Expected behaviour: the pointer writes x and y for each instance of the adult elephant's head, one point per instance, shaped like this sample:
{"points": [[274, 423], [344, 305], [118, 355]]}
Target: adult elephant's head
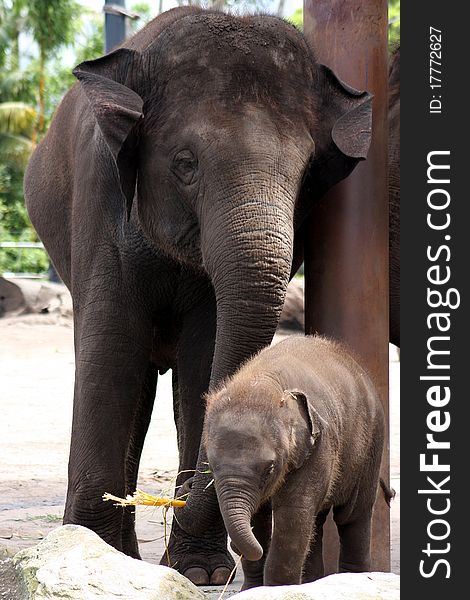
{"points": [[224, 130]]}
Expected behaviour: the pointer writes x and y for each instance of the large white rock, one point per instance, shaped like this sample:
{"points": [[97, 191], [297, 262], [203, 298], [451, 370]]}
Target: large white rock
{"points": [[73, 563], [344, 586]]}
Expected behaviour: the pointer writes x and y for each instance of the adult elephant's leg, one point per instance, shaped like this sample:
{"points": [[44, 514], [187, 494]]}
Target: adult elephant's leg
{"points": [[138, 432], [112, 348], [205, 559]]}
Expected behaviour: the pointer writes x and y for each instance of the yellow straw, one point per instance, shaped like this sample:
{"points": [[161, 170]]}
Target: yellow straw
{"points": [[143, 499], [230, 577]]}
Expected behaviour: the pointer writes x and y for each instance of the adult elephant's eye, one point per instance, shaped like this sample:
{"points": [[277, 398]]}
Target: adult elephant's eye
{"points": [[184, 166]]}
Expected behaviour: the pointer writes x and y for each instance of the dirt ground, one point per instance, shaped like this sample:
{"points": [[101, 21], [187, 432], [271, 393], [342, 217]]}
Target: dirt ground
{"points": [[36, 389]]}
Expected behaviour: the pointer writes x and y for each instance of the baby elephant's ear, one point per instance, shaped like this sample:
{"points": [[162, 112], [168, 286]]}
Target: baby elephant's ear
{"points": [[116, 107], [315, 421]]}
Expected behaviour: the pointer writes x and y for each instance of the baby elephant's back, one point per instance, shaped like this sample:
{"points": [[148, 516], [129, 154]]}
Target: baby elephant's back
{"points": [[334, 382]]}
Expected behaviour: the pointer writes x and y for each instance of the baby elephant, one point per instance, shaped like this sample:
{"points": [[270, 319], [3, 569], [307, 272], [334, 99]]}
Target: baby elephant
{"points": [[296, 431]]}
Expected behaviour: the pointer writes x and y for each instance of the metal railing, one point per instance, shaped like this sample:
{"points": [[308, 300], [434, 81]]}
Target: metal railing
{"points": [[23, 246]]}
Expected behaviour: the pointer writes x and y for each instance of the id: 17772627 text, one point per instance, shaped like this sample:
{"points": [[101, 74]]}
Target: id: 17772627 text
{"points": [[435, 70]]}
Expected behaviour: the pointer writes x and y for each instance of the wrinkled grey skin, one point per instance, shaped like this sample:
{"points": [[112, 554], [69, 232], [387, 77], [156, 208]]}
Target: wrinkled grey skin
{"points": [[170, 192], [297, 430]]}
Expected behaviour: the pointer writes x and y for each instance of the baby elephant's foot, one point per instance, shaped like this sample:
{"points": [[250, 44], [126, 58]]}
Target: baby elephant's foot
{"points": [[249, 583], [253, 573]]}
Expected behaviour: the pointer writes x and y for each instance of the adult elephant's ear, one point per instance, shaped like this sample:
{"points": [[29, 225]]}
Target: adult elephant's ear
{"points": [[346, 122], [117, 109]]}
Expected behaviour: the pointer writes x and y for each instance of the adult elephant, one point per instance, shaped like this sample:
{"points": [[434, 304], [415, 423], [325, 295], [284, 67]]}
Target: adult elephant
{"points": [[167, 193]]}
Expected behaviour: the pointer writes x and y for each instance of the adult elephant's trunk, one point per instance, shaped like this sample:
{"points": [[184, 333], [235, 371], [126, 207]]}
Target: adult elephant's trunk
{"points": [[247, 251], [249, 261]]}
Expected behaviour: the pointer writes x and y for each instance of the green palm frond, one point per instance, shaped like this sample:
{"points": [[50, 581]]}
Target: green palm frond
{"points": [[15, 149], [16, 86], [16, 118], [4, 37]]}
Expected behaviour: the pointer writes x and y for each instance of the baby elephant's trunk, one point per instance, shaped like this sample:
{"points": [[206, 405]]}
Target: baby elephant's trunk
{"points": [[237, 505]]}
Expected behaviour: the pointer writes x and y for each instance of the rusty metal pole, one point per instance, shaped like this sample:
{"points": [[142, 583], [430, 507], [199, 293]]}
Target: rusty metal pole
{"points": [[346, 255]]}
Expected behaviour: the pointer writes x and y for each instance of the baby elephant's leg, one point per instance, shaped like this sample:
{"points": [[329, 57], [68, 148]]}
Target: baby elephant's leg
{"points": [[289, 546], [294, 513], [253, 570], [354, 534], [313, 568]]}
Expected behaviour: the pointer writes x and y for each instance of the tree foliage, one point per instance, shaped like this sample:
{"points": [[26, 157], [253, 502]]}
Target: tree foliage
{"points": [[52, 25], [394, 23], [17, 120], [23, 98], [297, 18]]}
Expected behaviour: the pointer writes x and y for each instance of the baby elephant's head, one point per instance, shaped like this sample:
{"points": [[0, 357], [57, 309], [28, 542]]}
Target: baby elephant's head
{"points": [[255, 435]]}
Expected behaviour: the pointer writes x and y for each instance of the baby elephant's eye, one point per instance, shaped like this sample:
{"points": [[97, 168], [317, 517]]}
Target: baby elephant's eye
{"points": [[268, 470], [184, 166]]}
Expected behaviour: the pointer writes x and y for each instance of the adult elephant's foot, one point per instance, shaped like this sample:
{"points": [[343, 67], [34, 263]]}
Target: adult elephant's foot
{"points": [[115, 527], [204, 560]]}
